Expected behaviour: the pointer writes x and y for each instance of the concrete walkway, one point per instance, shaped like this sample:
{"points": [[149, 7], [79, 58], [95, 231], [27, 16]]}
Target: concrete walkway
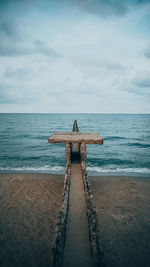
{"points": [[77, 246]]}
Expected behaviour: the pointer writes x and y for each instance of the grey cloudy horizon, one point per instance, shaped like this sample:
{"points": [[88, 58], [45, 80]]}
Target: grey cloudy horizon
{"points": [[87, 56]]}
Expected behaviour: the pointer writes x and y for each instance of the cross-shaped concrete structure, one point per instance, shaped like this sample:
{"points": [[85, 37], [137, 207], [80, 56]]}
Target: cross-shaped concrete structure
{"points": [[73, 245], [75, 138]]}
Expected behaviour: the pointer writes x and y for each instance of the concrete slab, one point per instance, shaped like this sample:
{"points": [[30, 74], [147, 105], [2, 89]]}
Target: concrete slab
{"points": [[75, 137]]}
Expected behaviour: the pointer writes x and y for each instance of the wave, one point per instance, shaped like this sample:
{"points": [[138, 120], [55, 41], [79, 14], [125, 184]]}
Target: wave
{"points": [[118, 170], [61, 170], [138, 145], [32, 158], [114, 138], [34, 169], [111, 138], [42, 137], [108, 161], [24, 157]]}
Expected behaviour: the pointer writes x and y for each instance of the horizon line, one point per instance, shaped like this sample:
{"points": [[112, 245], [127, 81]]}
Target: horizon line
{"points": [[103, 113]]}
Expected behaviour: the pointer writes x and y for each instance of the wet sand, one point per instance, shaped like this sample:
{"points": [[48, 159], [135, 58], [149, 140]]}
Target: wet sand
{"points": [[29, 204]]}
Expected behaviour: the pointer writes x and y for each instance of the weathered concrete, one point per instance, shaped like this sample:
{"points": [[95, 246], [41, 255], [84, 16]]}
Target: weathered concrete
{"points": [[82, 241], [75, 137], [68, 152], [75, 126], [77, 246], [60, 231], [75, 148], [96, 253]]}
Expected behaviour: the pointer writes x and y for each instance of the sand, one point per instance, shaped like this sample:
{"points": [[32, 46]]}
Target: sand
{"points": [[123, 208], [29, 207], [29, 204]]}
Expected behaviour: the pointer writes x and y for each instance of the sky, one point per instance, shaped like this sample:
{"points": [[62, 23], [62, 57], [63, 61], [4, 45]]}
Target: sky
{"points": [[75, 56]]}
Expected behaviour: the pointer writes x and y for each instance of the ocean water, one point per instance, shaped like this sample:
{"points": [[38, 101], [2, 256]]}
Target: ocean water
{"points": [[24, 143]]}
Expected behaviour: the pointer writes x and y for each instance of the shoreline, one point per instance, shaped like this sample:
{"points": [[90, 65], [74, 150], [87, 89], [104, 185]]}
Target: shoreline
{"points": [[59, 177], [90, 173]]}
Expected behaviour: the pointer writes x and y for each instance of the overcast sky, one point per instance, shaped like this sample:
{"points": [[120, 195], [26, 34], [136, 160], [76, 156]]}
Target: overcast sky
{"points": [[90, 56]]}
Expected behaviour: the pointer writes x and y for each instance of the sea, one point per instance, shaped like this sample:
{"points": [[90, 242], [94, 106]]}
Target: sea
{"points": [[24, 146]]}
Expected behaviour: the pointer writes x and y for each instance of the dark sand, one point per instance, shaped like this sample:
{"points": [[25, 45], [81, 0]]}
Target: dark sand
{"points": [[28, 211], [29, 204], [123, 208]]}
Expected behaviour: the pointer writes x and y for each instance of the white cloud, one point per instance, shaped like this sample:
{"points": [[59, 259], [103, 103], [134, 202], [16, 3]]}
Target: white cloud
{"points": [[59, 63]]}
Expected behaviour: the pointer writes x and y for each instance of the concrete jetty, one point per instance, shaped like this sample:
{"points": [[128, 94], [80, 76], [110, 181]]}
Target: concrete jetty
{"points": [[75, 137], [76, 241], [77, 245]]}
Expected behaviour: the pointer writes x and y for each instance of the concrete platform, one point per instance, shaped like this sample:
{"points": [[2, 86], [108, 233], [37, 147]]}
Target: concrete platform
{"points": [[75, 137]]}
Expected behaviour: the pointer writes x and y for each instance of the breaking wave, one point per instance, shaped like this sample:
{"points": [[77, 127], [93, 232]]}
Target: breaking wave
{"points": [[119, 170], [42, 169]]}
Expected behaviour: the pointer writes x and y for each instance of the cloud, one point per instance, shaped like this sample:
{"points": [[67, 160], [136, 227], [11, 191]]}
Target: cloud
{"points": [[138, 91], [12, 51], [143, 1], [7, 94], [103, 7], [142, 79], [9, 29], [99, 63], [17, 73], [51, 60], [99, 7], [42, 48], [15, 94], [147, 52], [13, 44], [139, 84], [15, 49]]}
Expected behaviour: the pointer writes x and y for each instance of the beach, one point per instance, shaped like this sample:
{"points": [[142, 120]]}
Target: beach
{"points": [[29, 208], [123, 205]]}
